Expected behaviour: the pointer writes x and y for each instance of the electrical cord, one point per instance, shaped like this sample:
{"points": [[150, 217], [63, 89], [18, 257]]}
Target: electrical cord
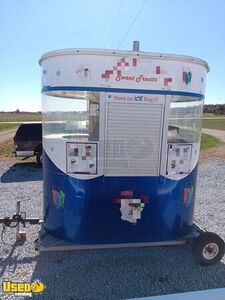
{"points": [[113, 23], [132, 23], [11, 223]]}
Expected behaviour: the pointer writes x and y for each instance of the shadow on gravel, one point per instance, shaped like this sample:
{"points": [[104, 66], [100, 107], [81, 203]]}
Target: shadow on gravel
{"points": [[123, 273], [12, 259], [21, 172]]}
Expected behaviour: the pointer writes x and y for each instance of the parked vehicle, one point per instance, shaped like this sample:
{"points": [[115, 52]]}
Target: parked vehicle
{"points": [[28, 141]]}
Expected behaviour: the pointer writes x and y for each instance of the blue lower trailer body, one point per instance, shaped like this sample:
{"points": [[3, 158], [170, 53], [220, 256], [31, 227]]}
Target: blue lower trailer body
{"points": [[89, 211]]}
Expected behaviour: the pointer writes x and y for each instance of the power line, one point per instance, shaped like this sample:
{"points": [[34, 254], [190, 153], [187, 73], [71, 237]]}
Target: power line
{"points": [[113, 23], [132, 23]]}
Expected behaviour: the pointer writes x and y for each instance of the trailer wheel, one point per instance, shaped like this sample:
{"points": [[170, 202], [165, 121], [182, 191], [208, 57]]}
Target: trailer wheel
{"points": [[39, 159], [208, 248]]}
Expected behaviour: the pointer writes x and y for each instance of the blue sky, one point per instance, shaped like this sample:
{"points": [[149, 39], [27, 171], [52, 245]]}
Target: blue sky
{"points": [[28, 28]]}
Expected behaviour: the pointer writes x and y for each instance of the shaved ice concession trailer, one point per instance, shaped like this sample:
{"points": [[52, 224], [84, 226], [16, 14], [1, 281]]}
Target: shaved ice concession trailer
{"points": [[121, 142], [121, 139]]}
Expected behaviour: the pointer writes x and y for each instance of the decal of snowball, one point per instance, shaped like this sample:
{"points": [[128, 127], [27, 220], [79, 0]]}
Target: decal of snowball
{"points": [[131, 210]]}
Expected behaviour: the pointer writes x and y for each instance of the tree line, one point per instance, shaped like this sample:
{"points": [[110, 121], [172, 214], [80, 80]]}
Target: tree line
{"points": [[217, 109]]}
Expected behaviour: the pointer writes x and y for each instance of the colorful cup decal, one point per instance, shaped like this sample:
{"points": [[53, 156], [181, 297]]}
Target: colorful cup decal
{"points": [[188, 194], [58, 198], [186, 76], [131, 206]]}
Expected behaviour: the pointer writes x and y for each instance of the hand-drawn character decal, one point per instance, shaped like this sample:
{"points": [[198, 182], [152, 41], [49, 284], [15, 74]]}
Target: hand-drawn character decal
{"points": [[131, 205], [84, 72], [131, 210]]}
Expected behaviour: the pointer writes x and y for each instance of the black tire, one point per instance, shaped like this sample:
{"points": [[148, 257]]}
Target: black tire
{"points": [[208, 248], [39, 159]]}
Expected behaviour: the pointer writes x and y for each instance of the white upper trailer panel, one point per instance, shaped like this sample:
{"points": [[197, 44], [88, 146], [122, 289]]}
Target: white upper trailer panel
{"points": [[88, 69]]}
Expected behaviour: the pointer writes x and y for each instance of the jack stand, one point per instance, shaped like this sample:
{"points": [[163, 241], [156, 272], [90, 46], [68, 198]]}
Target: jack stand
{"points": [[18, 221], [20, 232], [21, 235]]}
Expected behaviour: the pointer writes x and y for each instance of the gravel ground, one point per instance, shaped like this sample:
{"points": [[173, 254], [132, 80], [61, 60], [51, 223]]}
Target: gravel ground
{"points": [[109, 274]]}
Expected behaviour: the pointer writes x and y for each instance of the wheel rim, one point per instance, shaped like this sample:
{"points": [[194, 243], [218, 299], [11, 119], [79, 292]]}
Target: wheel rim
{"points": [[210, 251]]}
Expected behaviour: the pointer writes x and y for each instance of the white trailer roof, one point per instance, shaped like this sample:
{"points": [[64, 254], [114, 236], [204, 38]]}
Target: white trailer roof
{"points": [[106, 52]]}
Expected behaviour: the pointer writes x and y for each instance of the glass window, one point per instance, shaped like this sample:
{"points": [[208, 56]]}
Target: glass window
{"points": [[185, 120], [72, 114]]}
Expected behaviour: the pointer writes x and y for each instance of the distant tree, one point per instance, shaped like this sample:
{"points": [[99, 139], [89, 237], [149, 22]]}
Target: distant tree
{"points": [[17, 111], [218, 109]]}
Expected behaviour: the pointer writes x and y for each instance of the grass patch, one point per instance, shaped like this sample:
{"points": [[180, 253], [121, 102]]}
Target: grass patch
{"points": [[20, 117], [7, 126], [6, 148], [208, 141], [213, 116], [205, 115], [214, 123], [6, 153]]}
